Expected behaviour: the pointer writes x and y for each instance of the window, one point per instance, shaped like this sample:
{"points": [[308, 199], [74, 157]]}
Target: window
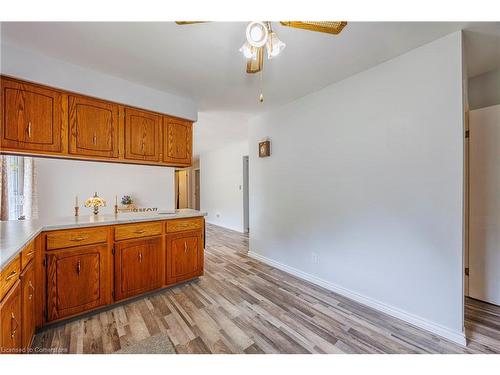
{"points": [[19, 185]]}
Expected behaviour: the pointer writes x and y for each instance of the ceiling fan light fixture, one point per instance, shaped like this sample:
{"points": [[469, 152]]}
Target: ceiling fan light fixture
{"points": [[257, 33], [274, 45]]}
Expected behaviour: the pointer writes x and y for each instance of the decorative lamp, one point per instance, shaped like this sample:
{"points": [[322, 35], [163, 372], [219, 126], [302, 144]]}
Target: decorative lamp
{"points": [[95, 202]]}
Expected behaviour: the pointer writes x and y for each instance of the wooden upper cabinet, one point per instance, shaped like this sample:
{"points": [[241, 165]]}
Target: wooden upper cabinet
{"points": [[139, 266], [142, 135], [93, 127], [77, 280], [31, 117], [177, 141]]}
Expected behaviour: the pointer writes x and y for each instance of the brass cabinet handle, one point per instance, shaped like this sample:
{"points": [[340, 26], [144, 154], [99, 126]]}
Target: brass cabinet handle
{"points": [[30, 253], [78, 267], [11, 276], [140, 257], [185, 247], [32, 288], [13, 330], [94, 140], [139, 231], [29, 129], [78, 239]]}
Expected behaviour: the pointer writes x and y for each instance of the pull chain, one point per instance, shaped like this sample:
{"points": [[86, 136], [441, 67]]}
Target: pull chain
{"points": [[261, 96]]}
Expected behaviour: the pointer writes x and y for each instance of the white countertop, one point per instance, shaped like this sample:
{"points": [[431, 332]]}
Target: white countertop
{"points": [[16, 234]]}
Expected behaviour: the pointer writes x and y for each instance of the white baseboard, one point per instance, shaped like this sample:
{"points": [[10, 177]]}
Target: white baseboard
{"points": [[456, 337]]}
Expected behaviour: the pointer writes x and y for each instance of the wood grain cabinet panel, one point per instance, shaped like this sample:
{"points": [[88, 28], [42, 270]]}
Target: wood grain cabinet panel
{"points": [[28, 312], [76, 237], [93, 127], [139, 266], [10, 321], [184, 256], [77, 280], [129, 231], [142, 135], [31, 117], [9, 275], [177, 141]]}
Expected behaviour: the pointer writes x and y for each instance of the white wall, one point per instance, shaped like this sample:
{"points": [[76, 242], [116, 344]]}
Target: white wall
{"points": [[363, 190], [60, 180], [484, 89], [221, 185], [30, 65]]}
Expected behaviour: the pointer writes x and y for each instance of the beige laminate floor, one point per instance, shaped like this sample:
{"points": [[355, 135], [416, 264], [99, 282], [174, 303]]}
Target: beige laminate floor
{"points": [[244, 306]]}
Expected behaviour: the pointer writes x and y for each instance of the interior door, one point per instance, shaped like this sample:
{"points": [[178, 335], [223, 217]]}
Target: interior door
{"points": [[31, 117], [76, 280], [142, 135], [484, 198], [93, 126], [184, 256], [177, 141], [139, 266]]}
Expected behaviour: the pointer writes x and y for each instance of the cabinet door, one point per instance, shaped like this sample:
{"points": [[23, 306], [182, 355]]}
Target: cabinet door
{"points": [[142, 135], [177, 141], [77, 280], [31, 117], [184, 256], [93, 127], [28, 304], [10, 321], [139, 266]]}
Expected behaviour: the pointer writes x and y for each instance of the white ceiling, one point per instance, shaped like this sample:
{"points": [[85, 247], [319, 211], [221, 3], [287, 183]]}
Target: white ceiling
{"points": [[202, 61]]}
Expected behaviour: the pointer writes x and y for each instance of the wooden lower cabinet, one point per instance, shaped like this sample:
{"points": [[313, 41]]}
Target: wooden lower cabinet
{"points": [[139, 266], [28, 313], [10, 321], [184, 256], [78, 279]]}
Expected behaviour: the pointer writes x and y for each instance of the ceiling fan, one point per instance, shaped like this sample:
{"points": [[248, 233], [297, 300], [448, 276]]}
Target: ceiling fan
{"points": [[260, 38]]}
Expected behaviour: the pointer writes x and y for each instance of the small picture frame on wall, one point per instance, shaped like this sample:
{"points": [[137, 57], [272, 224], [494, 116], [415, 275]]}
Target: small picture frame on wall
{"points": [[264, 149]]}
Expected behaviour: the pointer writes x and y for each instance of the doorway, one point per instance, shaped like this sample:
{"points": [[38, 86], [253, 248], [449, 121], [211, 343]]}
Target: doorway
{"points": [[197, 189], [246, 197], [181, 189], [483, 256]]}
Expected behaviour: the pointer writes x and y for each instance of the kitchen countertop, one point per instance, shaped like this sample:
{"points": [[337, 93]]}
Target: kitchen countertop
{"points": [[16, 234]]}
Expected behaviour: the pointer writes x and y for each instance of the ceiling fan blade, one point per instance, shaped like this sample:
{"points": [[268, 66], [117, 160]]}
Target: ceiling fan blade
{"points": [[330, 27], [189, 22], [256, 65]]}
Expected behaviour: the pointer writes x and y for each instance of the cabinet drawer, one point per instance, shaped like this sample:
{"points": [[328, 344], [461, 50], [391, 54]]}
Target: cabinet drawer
{"points": [[124, 232], [27, 254], [184, 224], [9, 276], [76, 237]]}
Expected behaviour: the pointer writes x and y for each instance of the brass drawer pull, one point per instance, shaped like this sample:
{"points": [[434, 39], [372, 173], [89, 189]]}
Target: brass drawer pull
{"points": [[13, 330], [78, 267], [185, 247], [140, 257], [32, 288], [140, 231], [78, 239], [30, 253], [11, 276]]}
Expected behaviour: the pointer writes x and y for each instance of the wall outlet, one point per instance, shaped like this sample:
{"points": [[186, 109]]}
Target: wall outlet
{"points": [[314, 258]]}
